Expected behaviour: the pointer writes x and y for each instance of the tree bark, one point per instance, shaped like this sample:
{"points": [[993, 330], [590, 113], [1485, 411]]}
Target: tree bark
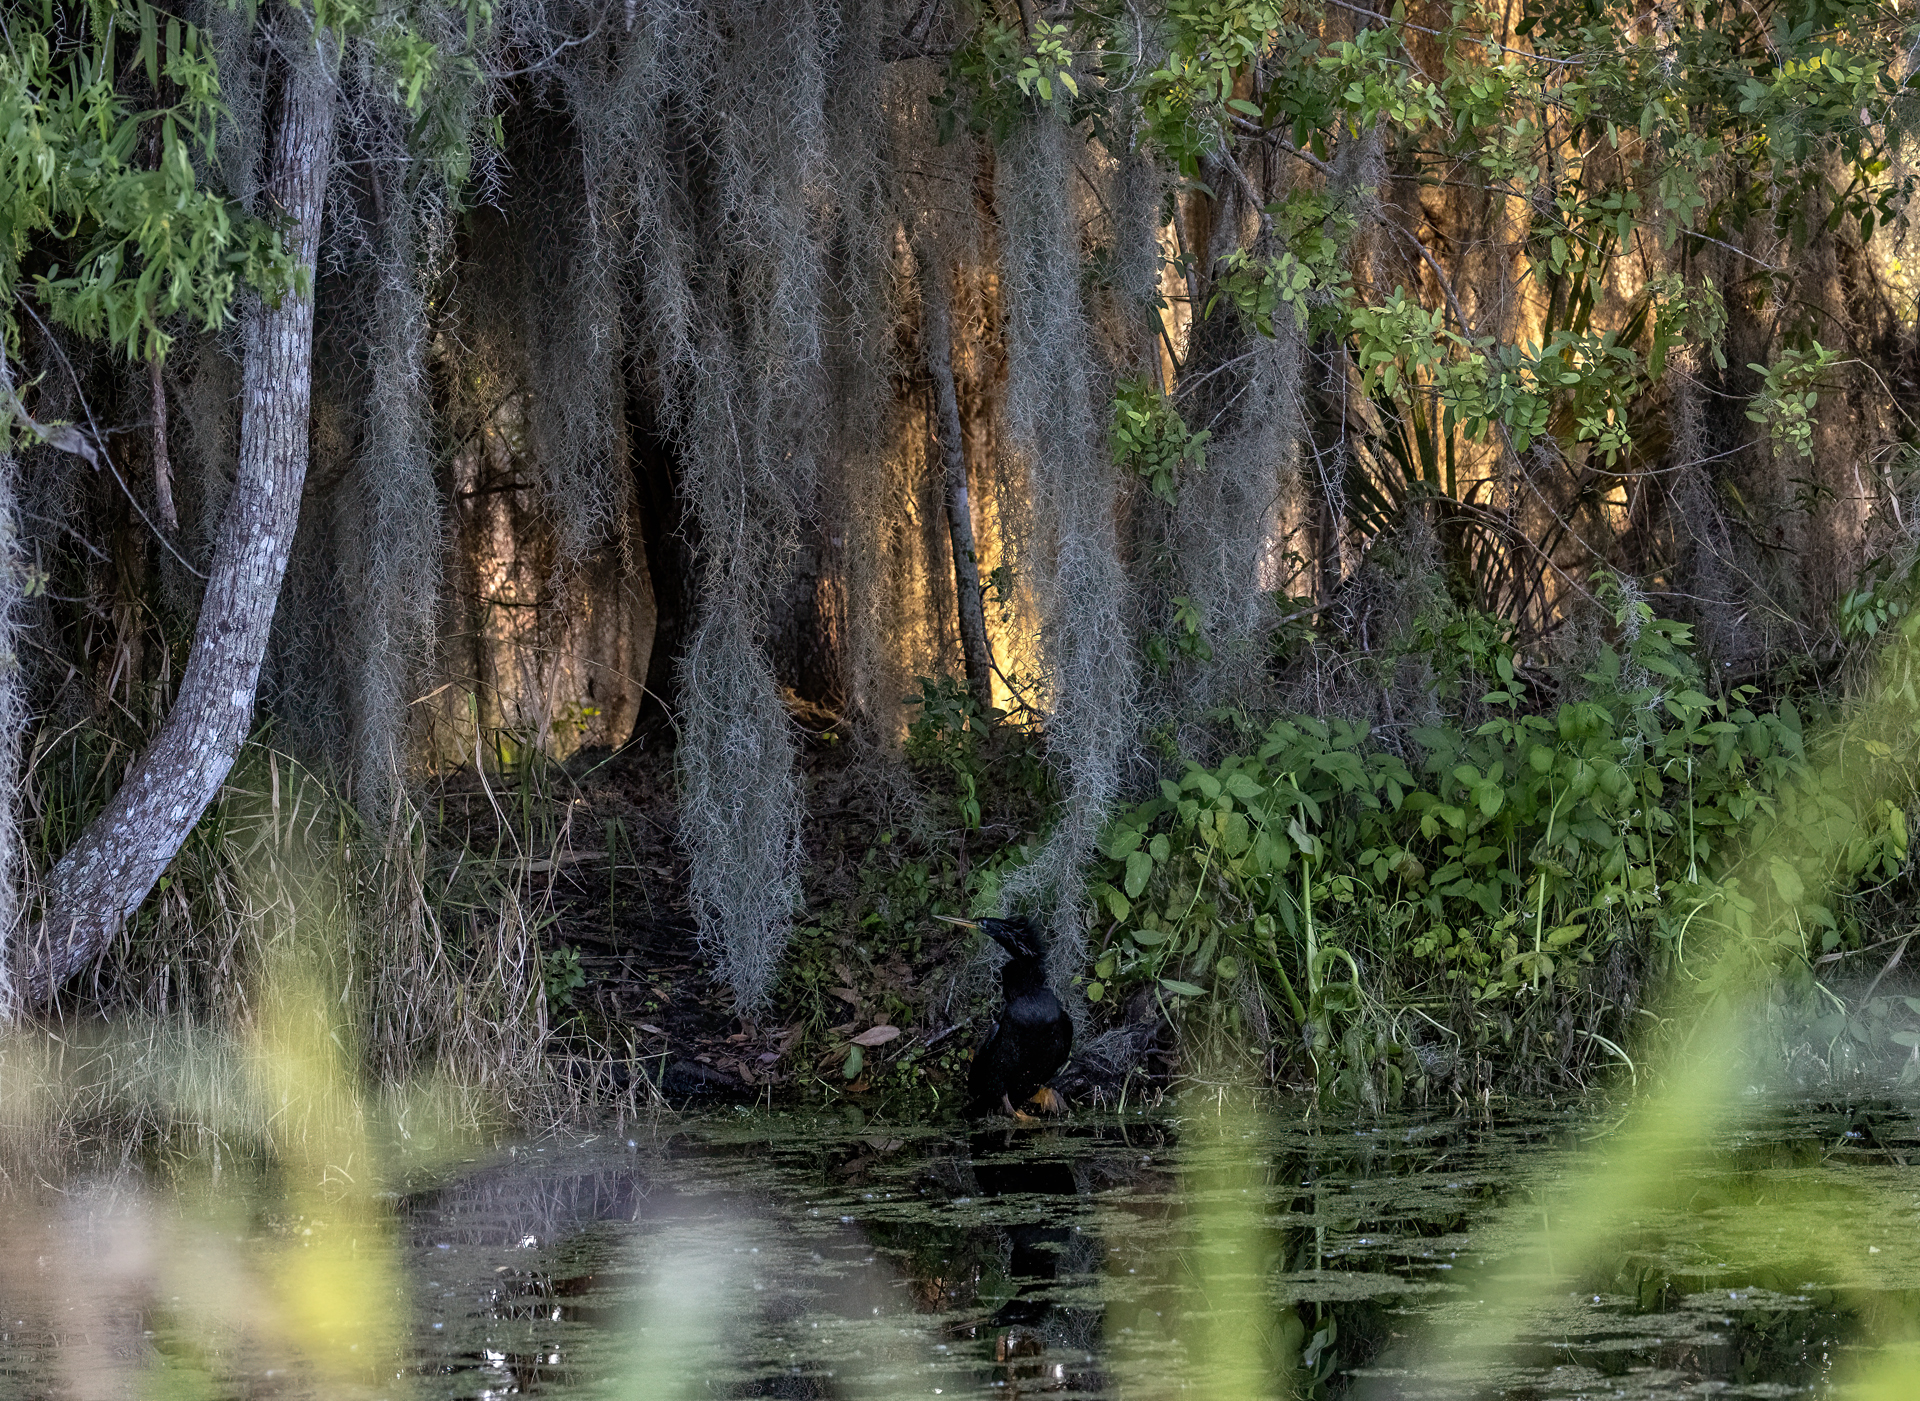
{"points": [[13, 577], [937, 330], [115, 862], [162, 466]]}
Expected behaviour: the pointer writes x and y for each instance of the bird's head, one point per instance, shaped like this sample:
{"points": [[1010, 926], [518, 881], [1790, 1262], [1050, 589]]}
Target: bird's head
{"points": [[1016, 934]]}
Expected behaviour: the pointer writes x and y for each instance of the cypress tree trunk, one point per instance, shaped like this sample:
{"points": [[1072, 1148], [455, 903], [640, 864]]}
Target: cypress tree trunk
{"points": [[937, 329], [113, 865]]}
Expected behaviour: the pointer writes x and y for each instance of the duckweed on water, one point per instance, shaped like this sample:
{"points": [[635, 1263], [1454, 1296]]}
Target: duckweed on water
{"points": [[1225, 1250]]}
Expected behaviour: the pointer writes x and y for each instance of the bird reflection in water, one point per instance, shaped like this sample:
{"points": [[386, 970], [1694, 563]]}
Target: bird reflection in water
{"points": [[1039, 1343], [1037, 1244]]}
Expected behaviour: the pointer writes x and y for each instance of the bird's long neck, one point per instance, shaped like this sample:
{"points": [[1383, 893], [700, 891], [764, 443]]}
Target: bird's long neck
{"points": [[1020, 976]]}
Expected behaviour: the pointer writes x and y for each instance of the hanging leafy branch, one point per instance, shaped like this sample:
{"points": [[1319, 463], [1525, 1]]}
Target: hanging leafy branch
{"points": [[103, 212], [114, 244]]}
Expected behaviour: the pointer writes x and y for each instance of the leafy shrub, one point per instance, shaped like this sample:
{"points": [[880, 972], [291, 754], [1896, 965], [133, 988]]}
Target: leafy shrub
{"points": [[971, 749], [1151, 438], [1488, 866]]}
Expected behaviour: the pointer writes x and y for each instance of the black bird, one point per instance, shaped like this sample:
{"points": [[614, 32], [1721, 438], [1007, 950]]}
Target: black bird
{"points": [[1033, 1036]]}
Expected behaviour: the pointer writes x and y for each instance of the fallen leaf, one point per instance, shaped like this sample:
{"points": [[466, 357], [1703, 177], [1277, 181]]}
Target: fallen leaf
{"points": [[844, 994], [651, 1029], [769, 1057], [876, 1036]]}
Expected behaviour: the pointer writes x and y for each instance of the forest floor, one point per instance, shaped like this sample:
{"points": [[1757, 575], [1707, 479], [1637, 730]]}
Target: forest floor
{"points": [[629, 991]]}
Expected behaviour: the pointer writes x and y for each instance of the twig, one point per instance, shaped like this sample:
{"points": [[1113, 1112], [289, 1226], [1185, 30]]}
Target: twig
{"points": [[98, 437], [1891, 964], [935, 1040]]}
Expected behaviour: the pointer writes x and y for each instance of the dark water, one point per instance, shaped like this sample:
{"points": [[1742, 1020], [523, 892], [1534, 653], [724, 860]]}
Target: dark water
{"points": [[1195, 1255], [1204, 1253]]}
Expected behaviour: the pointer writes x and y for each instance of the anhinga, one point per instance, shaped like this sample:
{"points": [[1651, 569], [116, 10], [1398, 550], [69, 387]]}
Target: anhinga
{"points": [[1034, 1034]]}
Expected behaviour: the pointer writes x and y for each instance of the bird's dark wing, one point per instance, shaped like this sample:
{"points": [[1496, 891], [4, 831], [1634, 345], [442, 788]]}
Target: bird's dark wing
{"points": [[996, 1064], [1043, 1050], [1058, 1047]]}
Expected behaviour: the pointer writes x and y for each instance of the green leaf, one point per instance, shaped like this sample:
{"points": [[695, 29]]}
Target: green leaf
{"points": [[1180, 989], [856, 1061], [1139, 869], [149, 43], [1235, 836], [1786, 880], [1242, 786]]}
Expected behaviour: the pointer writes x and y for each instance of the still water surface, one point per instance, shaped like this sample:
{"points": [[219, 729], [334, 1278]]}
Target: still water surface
{"points": [[1179, 1254], [796, 1257]]}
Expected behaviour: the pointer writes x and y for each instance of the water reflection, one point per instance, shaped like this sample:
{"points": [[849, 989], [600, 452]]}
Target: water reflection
{"points": [[1038, 1341], [1206, 1256], [1209, 1255]]}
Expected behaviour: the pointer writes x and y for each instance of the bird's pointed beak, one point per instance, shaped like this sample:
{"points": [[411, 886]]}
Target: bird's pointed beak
{"points": [[963, 923]]}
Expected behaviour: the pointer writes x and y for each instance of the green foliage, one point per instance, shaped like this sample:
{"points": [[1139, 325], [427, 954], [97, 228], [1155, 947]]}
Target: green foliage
{"points": [[1790, 389], [113, 246], [1187, 103], [1000, 69], [561, 976], [1492, 866], [946, 735], [972, 747], [1307, 272], [1881, 597], [103, 107], [1186, 637], [1151, 438]]}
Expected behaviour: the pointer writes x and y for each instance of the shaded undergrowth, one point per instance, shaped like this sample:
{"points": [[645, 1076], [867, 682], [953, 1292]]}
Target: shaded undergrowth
{"points": [[1490, 895]]}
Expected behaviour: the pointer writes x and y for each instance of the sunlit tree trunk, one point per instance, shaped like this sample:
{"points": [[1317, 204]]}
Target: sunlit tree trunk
{"points": [[115, 863], [937, 329]]}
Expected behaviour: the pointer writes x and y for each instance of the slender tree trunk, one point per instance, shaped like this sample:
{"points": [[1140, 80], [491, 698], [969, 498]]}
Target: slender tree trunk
{"points": [[12, 719], [105, 875], [162, 466], [937, 329]]}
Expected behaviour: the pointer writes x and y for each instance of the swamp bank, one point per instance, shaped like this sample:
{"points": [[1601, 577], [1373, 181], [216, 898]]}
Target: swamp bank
{"points": [[588, 528]]}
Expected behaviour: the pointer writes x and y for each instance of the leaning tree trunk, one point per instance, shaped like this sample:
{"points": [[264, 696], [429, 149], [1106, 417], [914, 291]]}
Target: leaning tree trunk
{"points": [[937, 330], [105, 875]]}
